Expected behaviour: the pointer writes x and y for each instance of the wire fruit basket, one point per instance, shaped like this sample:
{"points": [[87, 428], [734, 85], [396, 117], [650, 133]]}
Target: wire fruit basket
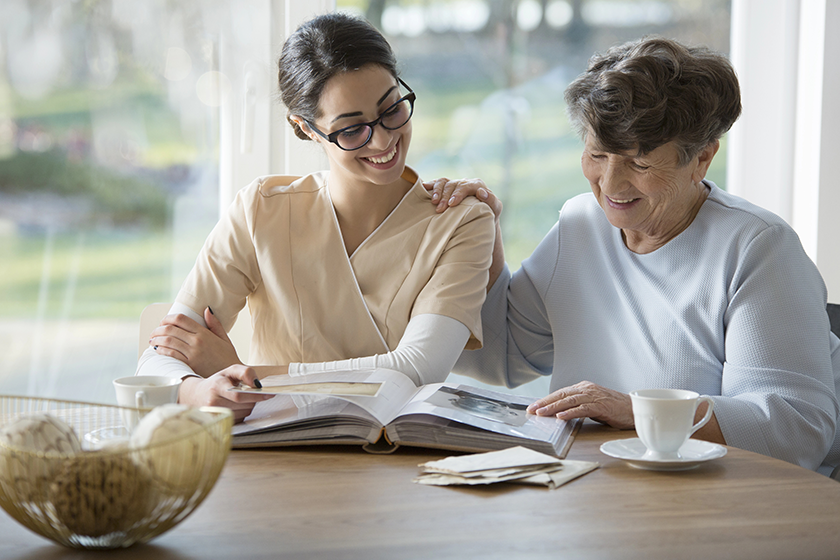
{"points": [[70, 472]]}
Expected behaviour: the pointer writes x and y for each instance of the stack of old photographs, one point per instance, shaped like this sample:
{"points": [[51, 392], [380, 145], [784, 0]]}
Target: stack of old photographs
{"points": [[515, 464]]}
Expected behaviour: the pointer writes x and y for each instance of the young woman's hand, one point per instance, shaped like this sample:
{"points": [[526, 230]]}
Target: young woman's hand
{"points": [[205, 349], [447, 193], [213, 391]]}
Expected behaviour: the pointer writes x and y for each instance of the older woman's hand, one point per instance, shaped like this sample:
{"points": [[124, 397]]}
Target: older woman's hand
{"points": [[587, 400], [447, 193], [205, 349]]}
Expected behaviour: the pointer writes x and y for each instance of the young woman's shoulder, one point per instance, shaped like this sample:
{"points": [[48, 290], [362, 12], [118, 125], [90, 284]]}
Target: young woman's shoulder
{"points": [[470, 208], [274, 185], [270, 194]]}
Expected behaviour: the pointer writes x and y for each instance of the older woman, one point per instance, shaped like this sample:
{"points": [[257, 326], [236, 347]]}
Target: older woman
{"points": [[660, 279]]}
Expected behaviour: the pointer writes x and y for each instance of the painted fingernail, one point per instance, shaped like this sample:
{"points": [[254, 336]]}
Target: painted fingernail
{"points": [[257, 384], [435, 197], [452, 201]]}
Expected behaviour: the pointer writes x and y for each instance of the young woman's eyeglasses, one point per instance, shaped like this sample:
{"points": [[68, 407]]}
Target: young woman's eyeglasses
{"points": [[357, 136]]}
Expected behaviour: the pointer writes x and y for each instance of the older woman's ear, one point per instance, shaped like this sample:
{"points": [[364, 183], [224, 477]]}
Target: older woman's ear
{"points": [[704, 160]]}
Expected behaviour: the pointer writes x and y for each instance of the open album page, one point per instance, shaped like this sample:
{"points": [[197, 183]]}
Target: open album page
{"points": [[464, 417], [329, 417]]}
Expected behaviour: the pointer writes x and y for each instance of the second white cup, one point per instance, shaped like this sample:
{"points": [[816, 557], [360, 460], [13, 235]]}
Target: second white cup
{"points": [[665, 420], [144, 391]]}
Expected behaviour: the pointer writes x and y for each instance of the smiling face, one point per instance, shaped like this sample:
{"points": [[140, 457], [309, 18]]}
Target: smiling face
{"points": [[650, 197], [358, 97]]}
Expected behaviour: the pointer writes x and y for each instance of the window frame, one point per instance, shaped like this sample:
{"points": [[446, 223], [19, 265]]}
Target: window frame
{"points": [[255, 139], [788, 66]]}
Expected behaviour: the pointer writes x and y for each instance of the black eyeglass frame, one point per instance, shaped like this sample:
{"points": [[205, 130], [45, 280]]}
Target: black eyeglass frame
{"points": [[333, 136]]}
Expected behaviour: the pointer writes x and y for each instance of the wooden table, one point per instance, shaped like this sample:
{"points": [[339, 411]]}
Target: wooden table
{"points": [[327, 502]]}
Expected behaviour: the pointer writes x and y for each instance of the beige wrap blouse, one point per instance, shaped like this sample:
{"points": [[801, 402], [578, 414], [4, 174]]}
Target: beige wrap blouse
{"points": [[279, 248]]}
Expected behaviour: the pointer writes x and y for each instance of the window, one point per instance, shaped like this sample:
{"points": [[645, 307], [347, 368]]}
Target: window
{"points": [[111, 161], [125, 125], [490, 77]]}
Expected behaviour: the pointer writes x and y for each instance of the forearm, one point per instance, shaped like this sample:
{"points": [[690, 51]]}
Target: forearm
{"points": [[789, 429], [518, 344], [151, 363], [488, 364], [186, 392], [519, 340], [426, 353]]}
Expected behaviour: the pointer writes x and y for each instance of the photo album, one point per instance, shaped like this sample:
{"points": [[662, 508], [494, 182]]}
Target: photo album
{"points": [[382, 409]]}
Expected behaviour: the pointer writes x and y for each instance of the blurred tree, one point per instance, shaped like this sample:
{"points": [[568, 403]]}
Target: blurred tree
{"points": [[374, 12], [578, 30]]}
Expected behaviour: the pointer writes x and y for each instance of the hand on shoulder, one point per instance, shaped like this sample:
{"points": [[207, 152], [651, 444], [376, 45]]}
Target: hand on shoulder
{"points": [[447, 193]]}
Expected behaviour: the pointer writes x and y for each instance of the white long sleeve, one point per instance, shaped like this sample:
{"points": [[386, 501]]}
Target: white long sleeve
{"points": [[426, 353], [152, 363]]}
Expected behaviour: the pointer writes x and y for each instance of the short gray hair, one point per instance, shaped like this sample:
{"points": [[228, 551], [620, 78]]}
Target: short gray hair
{"points": [[646, 93]]}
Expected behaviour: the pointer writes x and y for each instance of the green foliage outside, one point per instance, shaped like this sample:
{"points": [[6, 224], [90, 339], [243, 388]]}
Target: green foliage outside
{"points": [[116, 274], [113, 271], [83, 275], [124, 200], [544, 168]]}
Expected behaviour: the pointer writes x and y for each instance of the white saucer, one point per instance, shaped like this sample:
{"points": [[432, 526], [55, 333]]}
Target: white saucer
{"points": [[104, 437], [692, 453]]}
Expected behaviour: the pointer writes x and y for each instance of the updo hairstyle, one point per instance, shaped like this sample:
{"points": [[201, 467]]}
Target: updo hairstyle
{"points": [[321, 48], [643, 94]]}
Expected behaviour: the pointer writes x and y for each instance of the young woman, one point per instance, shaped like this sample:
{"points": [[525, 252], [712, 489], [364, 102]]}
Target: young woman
{"points": [[342, 269]]}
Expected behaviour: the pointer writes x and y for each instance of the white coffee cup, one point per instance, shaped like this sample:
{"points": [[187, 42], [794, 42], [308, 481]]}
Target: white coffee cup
{"points": [[665, 420], [144, 391]]}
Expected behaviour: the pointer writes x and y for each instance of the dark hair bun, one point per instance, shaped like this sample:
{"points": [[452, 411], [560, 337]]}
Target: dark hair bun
{"points": [[321, 48]]}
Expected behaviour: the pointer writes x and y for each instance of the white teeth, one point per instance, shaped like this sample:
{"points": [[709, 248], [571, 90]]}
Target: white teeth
{"points": [[617, 201], [388, 157]]}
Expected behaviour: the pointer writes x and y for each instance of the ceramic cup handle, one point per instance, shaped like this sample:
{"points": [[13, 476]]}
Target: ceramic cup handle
{"points": [[140, 399], [707, 416]]}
